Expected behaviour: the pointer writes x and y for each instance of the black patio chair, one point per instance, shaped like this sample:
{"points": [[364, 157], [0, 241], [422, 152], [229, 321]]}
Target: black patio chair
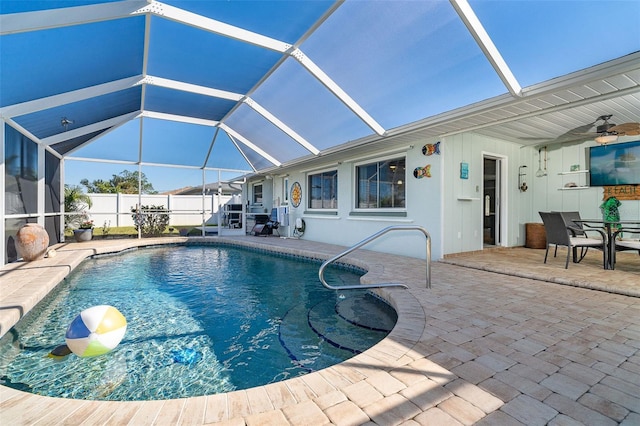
{"points": [[572, 221], [624, 243], [558, 234]]}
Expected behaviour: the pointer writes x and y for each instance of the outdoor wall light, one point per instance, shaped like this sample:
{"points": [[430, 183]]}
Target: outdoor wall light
{"points": [[522, 176]]}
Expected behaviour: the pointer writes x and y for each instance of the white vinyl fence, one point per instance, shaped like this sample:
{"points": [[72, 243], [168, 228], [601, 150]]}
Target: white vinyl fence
{"points": [[115, 209]]}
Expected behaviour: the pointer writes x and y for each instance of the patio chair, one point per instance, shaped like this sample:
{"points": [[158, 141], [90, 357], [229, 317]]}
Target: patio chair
{"points": [[580, 230], [624, 243], [559, 234]]}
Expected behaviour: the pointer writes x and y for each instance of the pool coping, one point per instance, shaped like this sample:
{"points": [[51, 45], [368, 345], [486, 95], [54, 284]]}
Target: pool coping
{"points": [[287, 400]]}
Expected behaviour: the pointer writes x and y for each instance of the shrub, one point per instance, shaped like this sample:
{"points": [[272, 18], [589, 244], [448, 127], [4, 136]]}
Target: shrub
{"points": [[150, 220]]}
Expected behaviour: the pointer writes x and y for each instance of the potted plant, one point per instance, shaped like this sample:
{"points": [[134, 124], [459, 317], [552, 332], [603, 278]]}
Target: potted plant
{"points": [[84, 231], [76, 204]]}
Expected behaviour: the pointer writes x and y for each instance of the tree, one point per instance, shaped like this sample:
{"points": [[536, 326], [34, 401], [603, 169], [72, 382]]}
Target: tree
{"points": [[75, 201], [125, 183]]}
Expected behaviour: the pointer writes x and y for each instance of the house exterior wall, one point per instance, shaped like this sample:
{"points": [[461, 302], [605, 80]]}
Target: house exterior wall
{"points": [[461, 225], [448, 206], [463, 202], [546, 194], [347, 225]]}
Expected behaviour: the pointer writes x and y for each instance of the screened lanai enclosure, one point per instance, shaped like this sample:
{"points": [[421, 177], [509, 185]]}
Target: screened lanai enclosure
{"points": [[194, 92]]}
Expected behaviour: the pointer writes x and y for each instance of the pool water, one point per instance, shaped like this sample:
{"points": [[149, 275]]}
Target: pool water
{"points": [[200, 320]]}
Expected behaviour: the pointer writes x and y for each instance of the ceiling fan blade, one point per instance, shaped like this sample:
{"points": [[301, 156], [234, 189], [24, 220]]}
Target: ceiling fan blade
{"points": [[582, 130], [629, 129]]}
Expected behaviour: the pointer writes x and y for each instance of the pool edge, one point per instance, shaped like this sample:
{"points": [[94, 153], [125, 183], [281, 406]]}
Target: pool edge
{"points": [[392, 352]]}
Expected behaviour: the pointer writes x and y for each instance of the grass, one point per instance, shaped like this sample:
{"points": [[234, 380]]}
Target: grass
{"points": [[130, 231]]}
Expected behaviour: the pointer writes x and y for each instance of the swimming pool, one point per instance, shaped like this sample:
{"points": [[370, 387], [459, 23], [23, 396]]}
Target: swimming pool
{"points": [[221, 305]]}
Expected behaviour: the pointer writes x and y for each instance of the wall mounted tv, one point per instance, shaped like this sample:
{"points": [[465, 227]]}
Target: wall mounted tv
{"points": [[616, 164]]}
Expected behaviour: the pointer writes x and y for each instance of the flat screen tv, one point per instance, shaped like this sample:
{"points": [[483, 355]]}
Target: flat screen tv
{"points": [[616, 164]]}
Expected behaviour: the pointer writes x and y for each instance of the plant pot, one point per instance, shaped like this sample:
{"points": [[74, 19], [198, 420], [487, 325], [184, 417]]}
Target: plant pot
{"points": [[32, 241], [83, 234]]}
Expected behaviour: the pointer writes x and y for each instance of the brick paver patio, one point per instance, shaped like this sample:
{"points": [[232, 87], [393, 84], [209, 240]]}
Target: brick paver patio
{"points": [[524, 346]]}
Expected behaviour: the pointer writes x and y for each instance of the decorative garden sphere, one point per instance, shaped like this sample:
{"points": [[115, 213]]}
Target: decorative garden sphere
{"points": [[32, 241]]}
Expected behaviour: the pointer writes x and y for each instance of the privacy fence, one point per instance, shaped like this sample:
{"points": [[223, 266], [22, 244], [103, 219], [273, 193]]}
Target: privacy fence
{"points": [[116, 209]]}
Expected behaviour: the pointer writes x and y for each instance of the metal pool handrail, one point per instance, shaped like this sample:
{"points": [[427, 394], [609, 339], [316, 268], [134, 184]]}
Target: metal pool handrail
{"points": [[367, 240]]}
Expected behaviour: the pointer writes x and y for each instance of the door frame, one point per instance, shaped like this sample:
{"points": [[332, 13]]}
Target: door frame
{"points": [[501, 198]]}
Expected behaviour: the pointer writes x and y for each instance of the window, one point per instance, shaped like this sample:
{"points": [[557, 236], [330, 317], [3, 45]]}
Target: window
{"points": [[285, 189], [323, 190], [257, 193], [381, 184], [21, 173]]}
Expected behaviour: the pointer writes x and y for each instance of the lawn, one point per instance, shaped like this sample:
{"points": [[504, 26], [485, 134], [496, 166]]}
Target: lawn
{"points": [[130, 231]]}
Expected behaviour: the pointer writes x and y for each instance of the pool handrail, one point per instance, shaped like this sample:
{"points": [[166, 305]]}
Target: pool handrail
{"points": [[368, 240]]}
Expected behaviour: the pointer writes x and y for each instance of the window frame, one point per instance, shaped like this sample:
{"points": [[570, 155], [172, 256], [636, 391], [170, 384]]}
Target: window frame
{"points": [[254, 193], [377, 162], [321, 173]]}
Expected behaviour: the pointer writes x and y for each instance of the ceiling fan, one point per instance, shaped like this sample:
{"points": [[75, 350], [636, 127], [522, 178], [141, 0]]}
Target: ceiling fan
{"points": [[608, 132]]}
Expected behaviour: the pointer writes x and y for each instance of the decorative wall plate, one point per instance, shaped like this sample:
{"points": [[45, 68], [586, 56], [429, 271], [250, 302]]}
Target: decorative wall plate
{"points": [[296, 194]]}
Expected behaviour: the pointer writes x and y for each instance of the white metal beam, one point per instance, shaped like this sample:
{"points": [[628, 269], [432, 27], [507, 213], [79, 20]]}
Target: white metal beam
{"points": [[69, 97], [63, 17], [145, 58], [147, 164], [317, 72], [241, 151], [94, 127], [101, 160], [217, 27], [279, 124], [192, 88], [492, 53], [211, 145], [180, 118], [40, 184], [248, 143], [106, 132]]}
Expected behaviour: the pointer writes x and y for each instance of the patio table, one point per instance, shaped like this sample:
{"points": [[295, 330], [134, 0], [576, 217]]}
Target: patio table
{"points": [[608, 226]]}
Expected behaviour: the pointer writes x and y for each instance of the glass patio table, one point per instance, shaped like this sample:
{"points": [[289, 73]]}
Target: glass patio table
{"points": [[610, 228]]}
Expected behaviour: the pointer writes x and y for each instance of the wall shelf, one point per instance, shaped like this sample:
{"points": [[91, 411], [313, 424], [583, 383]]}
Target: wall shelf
{"points": [[573, 188], [583, 181], [574, 172]]}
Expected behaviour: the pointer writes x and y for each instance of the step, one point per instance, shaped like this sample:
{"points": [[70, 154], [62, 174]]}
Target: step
{"points": [[338, 327], [344, 325]]}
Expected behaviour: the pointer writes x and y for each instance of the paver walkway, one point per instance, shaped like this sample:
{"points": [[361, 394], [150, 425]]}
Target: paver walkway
{"points": [[478, 348]]}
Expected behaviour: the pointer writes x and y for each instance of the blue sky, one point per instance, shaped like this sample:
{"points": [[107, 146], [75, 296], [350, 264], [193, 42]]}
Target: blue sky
{"points": [[168, 143], [400, 60]]}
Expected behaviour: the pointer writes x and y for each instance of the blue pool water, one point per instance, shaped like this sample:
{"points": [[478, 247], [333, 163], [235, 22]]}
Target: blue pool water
{"points": [[201, 320]]}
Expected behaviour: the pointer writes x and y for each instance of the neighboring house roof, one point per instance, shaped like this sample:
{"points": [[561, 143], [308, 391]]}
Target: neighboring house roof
{"points": [[209, 189]]}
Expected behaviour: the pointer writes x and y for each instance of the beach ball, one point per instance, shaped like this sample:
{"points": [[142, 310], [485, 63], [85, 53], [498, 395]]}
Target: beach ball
{"points": [[96, 331]]}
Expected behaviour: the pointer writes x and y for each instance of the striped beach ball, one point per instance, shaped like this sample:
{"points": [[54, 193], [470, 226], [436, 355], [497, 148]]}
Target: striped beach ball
{"points": [[96, 331]]}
